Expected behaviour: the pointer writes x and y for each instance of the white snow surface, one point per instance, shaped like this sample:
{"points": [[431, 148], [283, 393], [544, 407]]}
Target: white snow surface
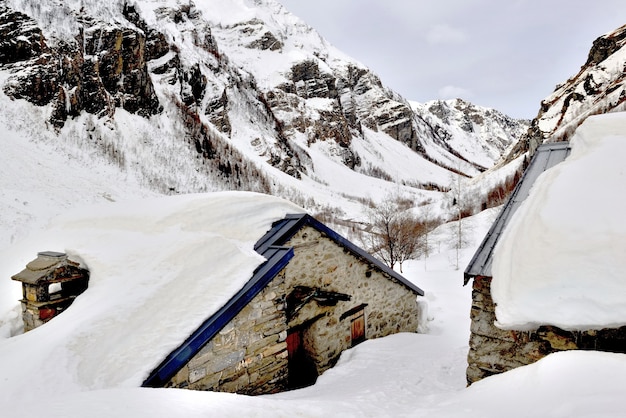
{"points": [[158, 268], [90, 361], [561, 259], [67, 368]]}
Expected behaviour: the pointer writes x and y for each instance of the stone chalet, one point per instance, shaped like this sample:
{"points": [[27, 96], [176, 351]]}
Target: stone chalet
{"points": [[312, 295], [315, 296], [493, 350]]}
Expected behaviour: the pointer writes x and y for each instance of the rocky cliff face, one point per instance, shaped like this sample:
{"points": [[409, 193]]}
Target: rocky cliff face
{"points": [[219, 91], [599, 87], [102, 68], [477, 134]]}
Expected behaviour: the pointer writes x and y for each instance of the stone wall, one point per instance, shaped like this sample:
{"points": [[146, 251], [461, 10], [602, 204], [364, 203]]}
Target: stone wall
{"points": [[493, 350], [249, 355], [319, 262]]}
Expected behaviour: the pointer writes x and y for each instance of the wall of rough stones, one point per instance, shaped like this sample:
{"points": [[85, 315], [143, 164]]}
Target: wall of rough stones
{"points": [[319, 262], [493, 350], [249, 355]]}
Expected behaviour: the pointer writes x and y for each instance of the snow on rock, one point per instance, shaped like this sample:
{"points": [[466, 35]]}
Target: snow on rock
{"points": [[561, 259], [159, 267]]}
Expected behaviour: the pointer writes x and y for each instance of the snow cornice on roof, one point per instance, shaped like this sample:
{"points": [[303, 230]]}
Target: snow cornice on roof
{"points": [[277, 259], [546, 156]]}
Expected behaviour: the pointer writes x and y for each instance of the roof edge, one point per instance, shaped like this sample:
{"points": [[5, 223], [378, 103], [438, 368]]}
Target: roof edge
{"points": [[358, 251], [277, 259], [479, 265]]}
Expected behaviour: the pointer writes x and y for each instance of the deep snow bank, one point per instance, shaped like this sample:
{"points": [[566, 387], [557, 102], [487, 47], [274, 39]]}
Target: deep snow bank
{"points": [[561, 260], [159, 267]]}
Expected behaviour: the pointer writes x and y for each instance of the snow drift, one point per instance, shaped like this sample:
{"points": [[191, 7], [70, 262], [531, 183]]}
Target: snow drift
{"points": [[561, 259], [159, 268]]}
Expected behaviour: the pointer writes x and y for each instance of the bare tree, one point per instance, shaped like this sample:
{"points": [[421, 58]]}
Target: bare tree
{"points": [[394, 232]]}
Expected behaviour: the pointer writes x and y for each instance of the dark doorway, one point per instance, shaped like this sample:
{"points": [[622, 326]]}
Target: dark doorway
{"points": [[302, 370]]}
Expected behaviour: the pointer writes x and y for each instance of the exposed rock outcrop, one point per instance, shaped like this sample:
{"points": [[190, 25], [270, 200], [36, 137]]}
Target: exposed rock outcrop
{"points": [[103, 68], [264, 88], [599, 87]]}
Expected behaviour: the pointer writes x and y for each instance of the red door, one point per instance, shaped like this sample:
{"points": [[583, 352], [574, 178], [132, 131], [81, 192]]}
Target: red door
{"points": [[302, 370], [294, 343], [357, 327]]}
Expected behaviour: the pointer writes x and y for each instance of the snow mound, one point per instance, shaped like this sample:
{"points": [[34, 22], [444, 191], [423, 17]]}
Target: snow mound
{"points": [[159, 268], [561, 259]]}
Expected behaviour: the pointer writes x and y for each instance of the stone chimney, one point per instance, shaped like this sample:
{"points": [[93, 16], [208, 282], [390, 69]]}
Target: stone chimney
{"points": [[50, 283]]}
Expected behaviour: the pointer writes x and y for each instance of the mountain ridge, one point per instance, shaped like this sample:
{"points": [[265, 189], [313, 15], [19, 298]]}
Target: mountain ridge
{"points": [[233, 95], [598, 87]]}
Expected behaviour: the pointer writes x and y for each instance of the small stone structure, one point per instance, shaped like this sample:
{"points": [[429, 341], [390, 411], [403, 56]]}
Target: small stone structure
{"points": [[50, 283], [329, 297], [493, 350], [383, 305]]}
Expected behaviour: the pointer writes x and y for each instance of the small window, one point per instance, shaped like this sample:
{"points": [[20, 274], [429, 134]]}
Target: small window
{"points": [[54, 291]]}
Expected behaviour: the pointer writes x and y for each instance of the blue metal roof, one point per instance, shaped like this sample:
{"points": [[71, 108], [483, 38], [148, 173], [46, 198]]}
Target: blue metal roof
{"points": [[277, 259], [278, 256], [545, 157], [286, 228]]}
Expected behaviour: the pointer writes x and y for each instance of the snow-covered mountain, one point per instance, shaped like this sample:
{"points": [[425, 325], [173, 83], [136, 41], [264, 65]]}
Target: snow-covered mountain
{"points": [[474, 133], [237, 94], [599, 87]]}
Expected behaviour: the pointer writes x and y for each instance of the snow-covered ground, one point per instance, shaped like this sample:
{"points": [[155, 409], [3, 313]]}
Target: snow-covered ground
{"points": [[66, 374], [400, 375]]}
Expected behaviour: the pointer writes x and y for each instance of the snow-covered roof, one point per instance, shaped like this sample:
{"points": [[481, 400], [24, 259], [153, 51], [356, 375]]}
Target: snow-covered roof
{"points": [[561, 259], [271, 247], [158, 268], [166, 274], [545, 157]]}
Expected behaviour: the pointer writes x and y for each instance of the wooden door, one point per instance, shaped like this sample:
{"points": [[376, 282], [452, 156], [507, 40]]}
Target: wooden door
{"points": [[294, 343], [357, 327]]}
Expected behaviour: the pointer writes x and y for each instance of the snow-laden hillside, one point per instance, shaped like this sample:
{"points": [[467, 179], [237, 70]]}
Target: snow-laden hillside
{"points": [[597, 88], [461, 123], [224, 95]]}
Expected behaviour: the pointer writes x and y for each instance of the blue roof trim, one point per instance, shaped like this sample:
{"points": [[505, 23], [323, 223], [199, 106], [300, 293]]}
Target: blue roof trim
{"points": [[546, 156], [283, 230], [278, 256], [277, 259]]}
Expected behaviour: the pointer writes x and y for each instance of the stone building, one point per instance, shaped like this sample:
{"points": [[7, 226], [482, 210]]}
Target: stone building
{"points": [[494, 350], [50, 283], [315, 296]]}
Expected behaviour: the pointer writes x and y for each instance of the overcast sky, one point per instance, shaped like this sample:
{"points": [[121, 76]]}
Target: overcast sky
{"points": [[505, 54]]}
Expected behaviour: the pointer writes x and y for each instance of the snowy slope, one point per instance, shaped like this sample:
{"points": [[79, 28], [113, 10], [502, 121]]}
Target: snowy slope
{"points": [[598, 87], [42, 178], [224, 95], [91, 160], [461, 124], [158, 268]]}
